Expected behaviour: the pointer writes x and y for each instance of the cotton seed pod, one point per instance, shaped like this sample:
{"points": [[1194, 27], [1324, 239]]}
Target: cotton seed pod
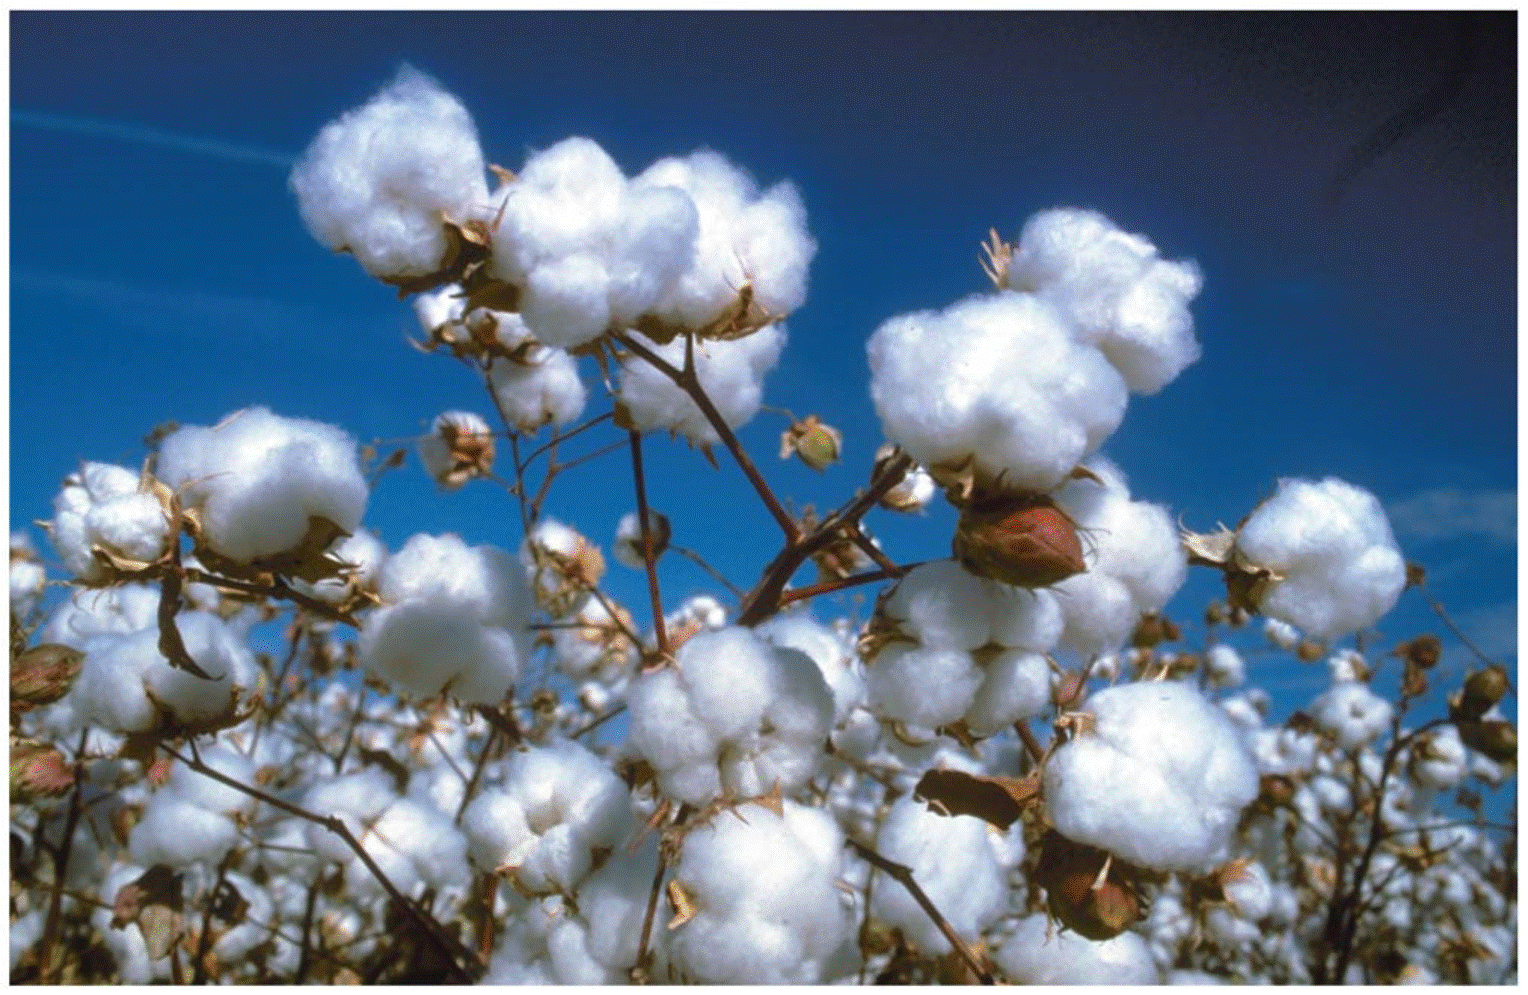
{"points": [[43, 674], [1423, 651], [818, 444], [1089, 891], [38, 771], [1482, 690], [1496, 739], [1021, 540], [1153, 629]]}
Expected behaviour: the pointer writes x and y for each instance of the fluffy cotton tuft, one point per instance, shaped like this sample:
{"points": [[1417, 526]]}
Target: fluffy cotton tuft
{"points": [[998, 379], [1352, 713], [731, 372], [1331, 546], [453, 620], [558, 808], [1118, 294], [1158, 775], [737, 716], [762, 886], [542, 388], [258, 480], [100, 506], [1039, 954], [959, 861], [377, 181], [450, 463]]}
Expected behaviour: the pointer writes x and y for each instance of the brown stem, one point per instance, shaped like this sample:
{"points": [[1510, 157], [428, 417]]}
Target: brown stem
{"points": [[477, 773], [904, 876], [715, 574], [832, 586], [660, 630], [450, 948], [638, 973], [594, 724], [305, 951], [564, 437], [688, 380], [1031, 744], [204, 941], [61, 866]]}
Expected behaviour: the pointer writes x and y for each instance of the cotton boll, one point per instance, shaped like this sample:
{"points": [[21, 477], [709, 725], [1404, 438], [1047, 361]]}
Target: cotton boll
{"points": [[833, 657], [27, 581], [1225, 666], [742, 236], [486, 580], [1439, 759], [100, 506], [567, 300], [653, 247], [179, 833], [376, 181], [1121, 297], [356, 799], [1331, 545], [458, 447], [613, 901], [1099, 612], [1352, 713], [1023, 618], [922, 687], [257, 479], [1015, 685], [997, 379], [436, 309], [1038, 954], [731, 373], [1159, 779], [421, 836], [127, 947], [115, 611], [1281, 634], [766, 910], [567, 199], [544, 389], [955, 862], [933, 604]]}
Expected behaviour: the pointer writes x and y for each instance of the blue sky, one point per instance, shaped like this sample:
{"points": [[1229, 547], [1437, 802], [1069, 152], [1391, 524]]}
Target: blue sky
{"points": [[159, 268]]}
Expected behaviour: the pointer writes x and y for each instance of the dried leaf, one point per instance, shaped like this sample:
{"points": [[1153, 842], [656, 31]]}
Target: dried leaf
{"points": [[1209, 549], [154, 902], [996, 800]]}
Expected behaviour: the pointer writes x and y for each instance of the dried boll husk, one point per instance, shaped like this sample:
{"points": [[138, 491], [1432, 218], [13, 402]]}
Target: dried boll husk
{"points": [[1089, 891], [1023, 540]]}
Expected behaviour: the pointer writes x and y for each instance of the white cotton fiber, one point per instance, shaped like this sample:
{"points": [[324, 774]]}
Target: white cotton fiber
{"points": [[1352, 713], [737, 716], [117, 610], [1015, 685], [731, 372], [545, 388], [998, 379], [175, 831], [743, 235], [1331, 545], [959, 863], [1119, 295], [1159, 776], [100, 506], [257, 478], [922, 686], [933, 604], [376, 182], [1038, 953], [762, 884], [834, 657]]}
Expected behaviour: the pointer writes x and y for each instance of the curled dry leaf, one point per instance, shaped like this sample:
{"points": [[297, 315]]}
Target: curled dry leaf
{"points": [[995, 800]]}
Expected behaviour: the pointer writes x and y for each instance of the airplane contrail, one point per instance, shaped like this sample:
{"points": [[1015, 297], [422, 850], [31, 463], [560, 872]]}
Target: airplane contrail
{"points": [[144, 135]]}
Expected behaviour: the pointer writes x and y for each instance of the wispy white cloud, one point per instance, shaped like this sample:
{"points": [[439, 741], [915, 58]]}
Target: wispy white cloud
{"points": [[127, 131], [1449, 513]]}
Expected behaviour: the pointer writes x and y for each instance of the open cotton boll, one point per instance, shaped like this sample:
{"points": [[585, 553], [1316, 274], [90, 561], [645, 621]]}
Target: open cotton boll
{"points": [[257, 480], [997, 379], [566, 200], [737, 715], [1121, 296], [1015, 685], [833, 656], [653, 247], [544, 389], [209, 793], [1352, 713], [1439, 759], [933, 604], [114, 611], [922, 686], [376, 181], [100, 505], [1159, 776], [1336, 562], [743, 236], [1039, 954], [1224, 666], [127, 947], [485, 579], [175, 831], [954, 859], [765, 907], [427, 647], [363, 554], [356, 799], [126, 685], [415, 844], [731, 373], [558, 808], [458, 447]]}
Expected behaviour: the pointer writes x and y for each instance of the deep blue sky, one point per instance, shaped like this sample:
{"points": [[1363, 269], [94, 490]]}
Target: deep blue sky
{"points": [[159, 268]]}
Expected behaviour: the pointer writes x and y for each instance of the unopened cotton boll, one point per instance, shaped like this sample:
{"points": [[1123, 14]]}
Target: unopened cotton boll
{"points": [[997, 380], [377, 181], [1158, 775], [1121, 296], [543, 389], [737, 716], [1352, 713], [954, 859], [259, 481], [1336, 564], [1038, 954], [762, 888], [730, 372]]}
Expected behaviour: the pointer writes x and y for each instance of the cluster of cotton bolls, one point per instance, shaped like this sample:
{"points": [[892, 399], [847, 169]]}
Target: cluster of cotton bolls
{"points": [[101, 506], [1021, 384]]}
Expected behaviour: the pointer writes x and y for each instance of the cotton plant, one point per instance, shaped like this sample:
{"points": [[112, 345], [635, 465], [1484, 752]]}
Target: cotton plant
{"points": [[337, 758]]}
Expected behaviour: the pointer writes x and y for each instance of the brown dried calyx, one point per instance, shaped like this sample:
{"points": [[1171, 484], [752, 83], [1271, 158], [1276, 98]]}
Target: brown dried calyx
{"points": [[1022, 539], [1087, 889]]}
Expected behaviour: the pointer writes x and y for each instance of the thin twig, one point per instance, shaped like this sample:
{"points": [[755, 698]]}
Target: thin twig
{"points": [[564, 437], [305, 951], [61, 866], [699, 561], [904, 876], [594, 724], [660, 629], [833, 586]]}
